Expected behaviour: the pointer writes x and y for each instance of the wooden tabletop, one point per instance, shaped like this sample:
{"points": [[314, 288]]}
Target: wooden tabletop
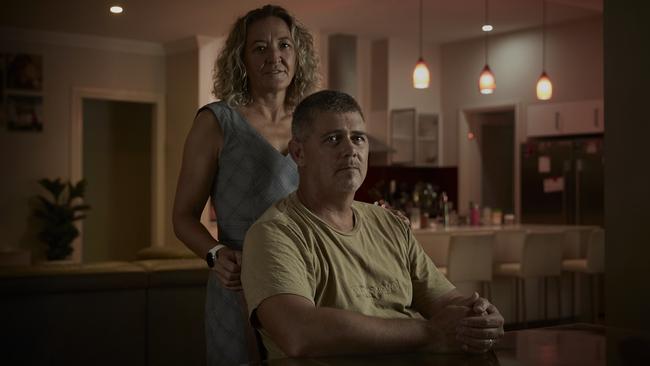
{"points": [[575, 345]]}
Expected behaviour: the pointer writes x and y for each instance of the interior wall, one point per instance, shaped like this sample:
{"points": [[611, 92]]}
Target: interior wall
{"points": [[574, 62], [69, 61], [342, 63], [402, 57], [117, 165], [470, 172], [182, 68], [208, 50]]}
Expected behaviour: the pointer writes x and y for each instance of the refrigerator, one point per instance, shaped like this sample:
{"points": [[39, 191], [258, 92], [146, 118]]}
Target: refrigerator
{"points": [[562, 181]]}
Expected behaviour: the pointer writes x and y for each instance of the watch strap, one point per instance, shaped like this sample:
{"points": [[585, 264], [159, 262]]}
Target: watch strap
{"points": [[213, 254], [216, 249]]}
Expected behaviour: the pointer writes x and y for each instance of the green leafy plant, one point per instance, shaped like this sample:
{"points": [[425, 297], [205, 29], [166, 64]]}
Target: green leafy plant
{"points": [[58, 215]]}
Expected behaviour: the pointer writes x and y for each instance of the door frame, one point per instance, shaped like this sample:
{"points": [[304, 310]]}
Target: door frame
{"points": [[469, 162], [157, 152]]}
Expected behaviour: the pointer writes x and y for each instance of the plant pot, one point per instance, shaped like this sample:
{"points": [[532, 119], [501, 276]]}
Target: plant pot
{"points": [[58, 262]]}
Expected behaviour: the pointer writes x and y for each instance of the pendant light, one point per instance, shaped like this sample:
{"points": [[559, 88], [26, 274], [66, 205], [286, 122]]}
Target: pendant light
{"points": [[544, 86], [486, 81], [421, 71]]}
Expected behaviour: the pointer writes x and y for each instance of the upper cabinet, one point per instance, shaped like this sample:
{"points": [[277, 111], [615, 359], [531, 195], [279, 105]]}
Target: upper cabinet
{"points": [[426, 140], [571, 118], [414, 137], [402, 136]]}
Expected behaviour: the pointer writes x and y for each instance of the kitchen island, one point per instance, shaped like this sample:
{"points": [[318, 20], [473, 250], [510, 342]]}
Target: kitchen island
{"points": [[435, 240], [508, 245]]}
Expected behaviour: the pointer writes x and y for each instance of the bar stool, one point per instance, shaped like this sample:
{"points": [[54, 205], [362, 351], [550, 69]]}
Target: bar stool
{"points": [[470, 260], [541, 257], [593, 266], [436, 245], [508, 245]]}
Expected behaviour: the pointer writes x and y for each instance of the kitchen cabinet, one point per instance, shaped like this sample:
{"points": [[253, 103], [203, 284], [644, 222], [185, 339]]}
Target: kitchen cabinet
{"points": [[571, 118], [402, 132], [426, 140], [414, 137]]}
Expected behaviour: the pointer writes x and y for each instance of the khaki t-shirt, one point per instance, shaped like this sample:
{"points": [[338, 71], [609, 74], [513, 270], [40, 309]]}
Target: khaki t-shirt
{"points": [[377, 269]]}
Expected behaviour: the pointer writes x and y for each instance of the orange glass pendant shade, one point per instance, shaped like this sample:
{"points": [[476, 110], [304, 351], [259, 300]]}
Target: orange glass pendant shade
{"points": [[544, 87], [421, 75], [486, 82]]}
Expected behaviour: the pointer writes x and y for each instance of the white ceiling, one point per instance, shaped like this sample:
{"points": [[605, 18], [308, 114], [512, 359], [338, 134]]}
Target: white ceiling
{"points": [[169, 20]]}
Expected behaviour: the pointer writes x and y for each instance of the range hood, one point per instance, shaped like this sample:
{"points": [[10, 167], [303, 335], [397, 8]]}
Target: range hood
{"points": [[378, 146]]}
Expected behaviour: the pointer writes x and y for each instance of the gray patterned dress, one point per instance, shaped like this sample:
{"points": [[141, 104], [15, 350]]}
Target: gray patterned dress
{"points": [[251, 176]]}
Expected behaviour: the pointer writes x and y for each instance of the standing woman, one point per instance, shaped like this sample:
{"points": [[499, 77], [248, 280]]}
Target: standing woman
{"points": [[236, 154]]}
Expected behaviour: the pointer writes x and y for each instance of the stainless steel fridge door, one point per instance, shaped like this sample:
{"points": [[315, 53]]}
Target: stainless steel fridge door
{"points": [[589, 182], [546, 182]]}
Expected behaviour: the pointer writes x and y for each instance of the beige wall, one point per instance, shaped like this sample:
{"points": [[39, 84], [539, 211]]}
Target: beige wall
{"points": [[68, 62], [182, 69], [402, 56], [208, 50], [574, 63]]}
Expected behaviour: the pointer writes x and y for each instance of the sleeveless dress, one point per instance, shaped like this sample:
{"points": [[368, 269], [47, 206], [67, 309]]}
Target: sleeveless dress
{"points": [[252, 175]]}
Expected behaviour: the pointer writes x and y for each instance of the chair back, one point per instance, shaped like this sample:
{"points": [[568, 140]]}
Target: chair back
{"points": [[596, 251], [542, 254], [436, 245], [576, 240], [508, 245], [470, 257]]}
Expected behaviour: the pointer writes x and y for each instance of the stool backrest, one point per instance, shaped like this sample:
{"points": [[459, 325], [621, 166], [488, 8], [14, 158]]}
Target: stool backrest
{"points": [[508, 245], [542, 254], [436, 246], [596, 252], [470, 257]]}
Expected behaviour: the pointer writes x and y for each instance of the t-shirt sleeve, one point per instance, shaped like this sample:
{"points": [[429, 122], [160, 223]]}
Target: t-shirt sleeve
{"points": [[273, 264], [428, 282]]}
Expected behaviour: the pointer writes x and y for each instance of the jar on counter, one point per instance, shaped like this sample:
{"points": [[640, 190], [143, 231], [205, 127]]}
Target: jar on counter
{"points": [[497, 217]]}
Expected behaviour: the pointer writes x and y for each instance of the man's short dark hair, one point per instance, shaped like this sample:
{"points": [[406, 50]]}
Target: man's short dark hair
{"points": [[320, 102]]}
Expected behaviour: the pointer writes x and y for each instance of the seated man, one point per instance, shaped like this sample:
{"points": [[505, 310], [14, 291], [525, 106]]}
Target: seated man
{"points": [[326, 275]]}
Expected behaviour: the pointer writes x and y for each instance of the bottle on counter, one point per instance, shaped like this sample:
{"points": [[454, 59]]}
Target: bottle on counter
{"points": [[445, 208], [486, 218], [392, 193], [427, 204], [474, 214], [415, 210], [424, 220]]}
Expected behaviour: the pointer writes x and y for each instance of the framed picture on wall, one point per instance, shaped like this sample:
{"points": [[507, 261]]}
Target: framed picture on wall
{"points": [[24, 72], [21, 84], [24, 113]]}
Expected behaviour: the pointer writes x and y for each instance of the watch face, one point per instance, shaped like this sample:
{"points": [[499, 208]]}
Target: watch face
{"points": [[210, 259]]}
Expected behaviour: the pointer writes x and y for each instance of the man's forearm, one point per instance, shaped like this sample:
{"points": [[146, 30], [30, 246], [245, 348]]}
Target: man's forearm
{"points": [[312, 332]]}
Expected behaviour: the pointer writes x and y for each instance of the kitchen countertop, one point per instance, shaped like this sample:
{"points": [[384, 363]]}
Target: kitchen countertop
{"points": [[435, 241], [439, 229]]}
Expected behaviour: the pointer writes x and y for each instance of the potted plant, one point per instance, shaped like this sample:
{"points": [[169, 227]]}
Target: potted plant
{"points": [[58, 215]]}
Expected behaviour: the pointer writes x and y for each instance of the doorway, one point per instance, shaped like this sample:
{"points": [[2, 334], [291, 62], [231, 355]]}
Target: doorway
{"points": [[488, 160], [497, 159], [117, 165]]}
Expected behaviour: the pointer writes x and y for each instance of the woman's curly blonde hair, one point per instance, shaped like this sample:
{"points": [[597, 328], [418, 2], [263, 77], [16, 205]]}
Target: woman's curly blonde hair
{"points": [[230, 82]]}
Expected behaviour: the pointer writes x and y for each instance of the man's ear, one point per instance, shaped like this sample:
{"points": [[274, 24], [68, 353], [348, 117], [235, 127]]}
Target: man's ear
{"points": [[297, 152]]}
